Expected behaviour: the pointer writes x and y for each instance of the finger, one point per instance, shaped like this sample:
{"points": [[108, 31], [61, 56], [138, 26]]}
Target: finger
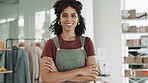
{"points": [[93, 75], [93, 66], [96, 69], [51, 60], [46, 62], [49, 66], [94, 72], [97, 73], [49, 69]]}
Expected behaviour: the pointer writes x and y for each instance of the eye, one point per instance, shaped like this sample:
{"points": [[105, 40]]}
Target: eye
{"points": [[73, 16], [64, 15]]}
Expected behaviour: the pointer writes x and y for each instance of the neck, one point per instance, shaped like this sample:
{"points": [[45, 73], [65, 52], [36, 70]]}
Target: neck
{"points": [[68, 36]]}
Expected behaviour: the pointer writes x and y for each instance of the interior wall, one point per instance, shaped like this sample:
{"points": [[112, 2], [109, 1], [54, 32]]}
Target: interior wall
{"points": [[27, 9], [87, 13], [24, 6], [107, 35], [8, 10]]}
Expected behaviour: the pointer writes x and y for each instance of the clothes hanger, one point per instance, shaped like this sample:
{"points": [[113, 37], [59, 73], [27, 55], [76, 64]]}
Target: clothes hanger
{"points": [[22, 44], [32, 44], [38, 44], [15, 46]]}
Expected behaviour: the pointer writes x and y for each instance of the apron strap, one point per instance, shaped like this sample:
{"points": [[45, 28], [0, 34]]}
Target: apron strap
{"points": [[56, 42], [55, 39], [82, 40]]}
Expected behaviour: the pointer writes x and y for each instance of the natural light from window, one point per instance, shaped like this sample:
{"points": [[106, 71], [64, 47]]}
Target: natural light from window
{"points": [[39, 23]]}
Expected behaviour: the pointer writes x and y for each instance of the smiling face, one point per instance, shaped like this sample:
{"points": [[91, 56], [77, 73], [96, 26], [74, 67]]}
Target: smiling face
{"points": [[69, 19]]}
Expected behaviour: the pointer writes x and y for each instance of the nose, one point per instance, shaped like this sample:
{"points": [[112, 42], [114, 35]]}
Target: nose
{"points": [[69, 19]]}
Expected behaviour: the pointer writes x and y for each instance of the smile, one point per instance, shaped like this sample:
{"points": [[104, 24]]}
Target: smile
{"points": [[69, 24]]}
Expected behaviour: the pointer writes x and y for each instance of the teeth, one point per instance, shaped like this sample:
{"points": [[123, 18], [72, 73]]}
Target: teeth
{"points": [[69, 24]]}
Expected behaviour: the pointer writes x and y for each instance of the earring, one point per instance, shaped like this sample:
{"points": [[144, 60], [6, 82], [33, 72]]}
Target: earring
{"points": [[78, 23], [59, 23]]}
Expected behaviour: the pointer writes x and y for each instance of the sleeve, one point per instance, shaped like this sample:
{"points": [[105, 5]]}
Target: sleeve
{"points": [[49, 49], [89, 47], [27, 67]]}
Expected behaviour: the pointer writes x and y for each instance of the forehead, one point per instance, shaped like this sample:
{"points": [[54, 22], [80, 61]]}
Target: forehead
{"points": [[69, 10]]}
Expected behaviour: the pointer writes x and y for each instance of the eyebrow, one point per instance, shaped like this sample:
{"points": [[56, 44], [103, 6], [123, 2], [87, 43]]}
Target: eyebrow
{"points": [[71, 13]]}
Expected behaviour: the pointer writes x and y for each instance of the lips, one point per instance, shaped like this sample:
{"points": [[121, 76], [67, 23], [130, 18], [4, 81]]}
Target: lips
{"points": [[68, 24]]}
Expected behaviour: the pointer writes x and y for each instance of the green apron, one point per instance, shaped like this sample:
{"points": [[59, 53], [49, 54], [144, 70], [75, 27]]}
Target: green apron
{"points": [[68, 59]]}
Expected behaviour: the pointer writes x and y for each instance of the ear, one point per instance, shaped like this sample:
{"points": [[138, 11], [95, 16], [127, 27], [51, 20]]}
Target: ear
{"points": [[59, 20], [78, 20]]}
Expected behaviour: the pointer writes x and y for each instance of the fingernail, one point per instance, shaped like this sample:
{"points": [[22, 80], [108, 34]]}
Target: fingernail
{"points": [[49, 58]]}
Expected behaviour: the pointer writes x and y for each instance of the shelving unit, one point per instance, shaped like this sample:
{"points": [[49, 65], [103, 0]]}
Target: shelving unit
{"points": [[132, 30], [3, 72], [6, 71], [5, 49]]}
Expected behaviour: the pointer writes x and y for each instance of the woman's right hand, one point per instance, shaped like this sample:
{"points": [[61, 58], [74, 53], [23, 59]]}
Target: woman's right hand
{"points": [[91, 70], [50, 65]]}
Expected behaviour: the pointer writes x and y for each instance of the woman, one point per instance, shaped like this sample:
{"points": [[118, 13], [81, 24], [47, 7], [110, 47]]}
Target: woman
{"points": [[68, 57]]}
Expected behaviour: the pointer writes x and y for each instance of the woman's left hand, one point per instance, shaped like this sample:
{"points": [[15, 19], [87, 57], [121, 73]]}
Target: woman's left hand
{"points": [[50, 65]]}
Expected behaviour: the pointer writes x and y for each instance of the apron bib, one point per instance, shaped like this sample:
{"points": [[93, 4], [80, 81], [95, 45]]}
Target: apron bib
{"points": [[68, 59]]}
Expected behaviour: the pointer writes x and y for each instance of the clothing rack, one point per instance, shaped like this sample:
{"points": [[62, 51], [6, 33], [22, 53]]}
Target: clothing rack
{"points": [[16, 39], [9, 43]]}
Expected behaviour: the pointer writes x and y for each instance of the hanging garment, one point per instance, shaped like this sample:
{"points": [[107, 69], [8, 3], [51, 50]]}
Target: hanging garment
{"points": [[37, 54], [36, 74], [31, 62], [68, 59], [17, 60]]}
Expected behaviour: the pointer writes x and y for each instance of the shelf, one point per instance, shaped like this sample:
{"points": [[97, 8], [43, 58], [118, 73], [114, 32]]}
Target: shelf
{"points": [[137, 69], [137, 77], [135, 32], [5, 49], [5, 72], [136, 19], [136, 63], [133, 50], [137, 46], [103, 79]]}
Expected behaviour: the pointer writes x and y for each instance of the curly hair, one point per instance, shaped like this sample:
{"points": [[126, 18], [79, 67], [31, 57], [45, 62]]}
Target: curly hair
{"points": [[59, 6]]}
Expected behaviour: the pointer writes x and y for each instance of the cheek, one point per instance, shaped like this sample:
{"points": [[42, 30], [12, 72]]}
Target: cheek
{"points": [[76, 20]]}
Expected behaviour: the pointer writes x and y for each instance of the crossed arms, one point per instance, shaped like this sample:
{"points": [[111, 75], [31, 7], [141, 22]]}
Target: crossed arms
{"points": [[50, 74]]}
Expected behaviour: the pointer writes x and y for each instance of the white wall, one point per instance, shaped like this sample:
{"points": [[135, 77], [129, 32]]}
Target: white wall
{"points": [[7, 10], [27, 8], [107, 34], [87, 13]]}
